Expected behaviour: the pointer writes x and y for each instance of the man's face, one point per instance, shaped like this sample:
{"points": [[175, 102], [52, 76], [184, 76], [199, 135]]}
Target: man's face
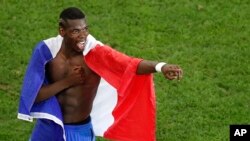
{"points": [[76, 32]]}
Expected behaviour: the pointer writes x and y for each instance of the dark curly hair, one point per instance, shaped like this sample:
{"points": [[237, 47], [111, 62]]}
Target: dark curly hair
{"points": [[70, 13]]}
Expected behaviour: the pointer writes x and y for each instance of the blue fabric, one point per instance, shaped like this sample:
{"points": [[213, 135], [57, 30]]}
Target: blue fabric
{"points": [[49, 125], [34, 78], [79, 132], [48, 111], [46, 130]]}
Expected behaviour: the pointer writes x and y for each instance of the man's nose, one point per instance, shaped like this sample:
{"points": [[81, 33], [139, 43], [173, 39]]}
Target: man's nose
{"points": [[83, 33]]}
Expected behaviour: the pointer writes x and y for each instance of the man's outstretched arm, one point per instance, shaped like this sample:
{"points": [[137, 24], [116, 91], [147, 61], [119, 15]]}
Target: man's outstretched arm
{"points": [[170, 71]]}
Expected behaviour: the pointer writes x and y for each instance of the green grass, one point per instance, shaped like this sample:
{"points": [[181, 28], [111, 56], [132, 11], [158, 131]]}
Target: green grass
{"points": [[208, 39]]}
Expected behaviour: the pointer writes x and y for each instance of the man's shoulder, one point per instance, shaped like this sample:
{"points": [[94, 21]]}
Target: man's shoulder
{"points": [[54, 41], [52, 45]]}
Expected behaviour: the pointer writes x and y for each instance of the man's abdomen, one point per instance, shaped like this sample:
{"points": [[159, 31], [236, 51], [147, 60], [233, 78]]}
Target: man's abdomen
{"points": [[76, 102]]}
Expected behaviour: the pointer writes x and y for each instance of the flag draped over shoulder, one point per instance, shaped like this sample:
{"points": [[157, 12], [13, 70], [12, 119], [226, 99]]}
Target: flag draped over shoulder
{"points": [[124, 107]]}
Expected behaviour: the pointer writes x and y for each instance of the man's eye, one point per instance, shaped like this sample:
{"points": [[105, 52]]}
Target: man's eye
{"points": [[76, 31]]}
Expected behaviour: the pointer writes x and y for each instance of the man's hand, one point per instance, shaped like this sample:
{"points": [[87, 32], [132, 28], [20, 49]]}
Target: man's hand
{"points": [[172, 72], [76, 76]]}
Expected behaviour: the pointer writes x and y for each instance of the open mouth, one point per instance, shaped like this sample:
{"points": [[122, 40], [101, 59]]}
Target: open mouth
{"points": [[81, 45]]}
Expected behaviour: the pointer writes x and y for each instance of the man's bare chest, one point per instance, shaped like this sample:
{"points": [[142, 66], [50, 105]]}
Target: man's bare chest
{"points": [[59, 67]]}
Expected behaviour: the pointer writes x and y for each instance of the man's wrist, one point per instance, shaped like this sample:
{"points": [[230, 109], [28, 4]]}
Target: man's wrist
{"points": [[159, 66]]}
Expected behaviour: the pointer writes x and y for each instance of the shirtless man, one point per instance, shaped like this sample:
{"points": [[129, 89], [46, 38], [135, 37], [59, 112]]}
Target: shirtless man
{"points": [[72, 81]]}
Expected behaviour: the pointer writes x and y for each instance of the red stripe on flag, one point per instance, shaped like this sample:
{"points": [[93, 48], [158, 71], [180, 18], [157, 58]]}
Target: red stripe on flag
{"points": [[135, 110]]}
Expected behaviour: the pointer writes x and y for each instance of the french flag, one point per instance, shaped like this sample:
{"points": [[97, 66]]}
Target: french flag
{"points": [[124, 107]]}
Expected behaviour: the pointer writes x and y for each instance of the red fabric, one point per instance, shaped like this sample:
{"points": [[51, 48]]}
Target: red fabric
{"points": [[135, 110]]}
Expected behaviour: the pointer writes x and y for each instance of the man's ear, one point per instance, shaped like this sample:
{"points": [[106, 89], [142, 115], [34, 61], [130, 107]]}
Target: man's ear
{"points": [[61, 31]]}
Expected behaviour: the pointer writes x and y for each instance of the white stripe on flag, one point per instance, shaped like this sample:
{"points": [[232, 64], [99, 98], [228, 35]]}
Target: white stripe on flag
{"points": [[103, 106]]}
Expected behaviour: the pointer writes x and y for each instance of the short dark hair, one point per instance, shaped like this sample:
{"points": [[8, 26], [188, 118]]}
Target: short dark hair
{"points": [[70, 13]]}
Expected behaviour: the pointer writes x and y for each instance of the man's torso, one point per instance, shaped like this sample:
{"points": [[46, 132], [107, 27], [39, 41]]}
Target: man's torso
{"points": [[76, 101]]}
